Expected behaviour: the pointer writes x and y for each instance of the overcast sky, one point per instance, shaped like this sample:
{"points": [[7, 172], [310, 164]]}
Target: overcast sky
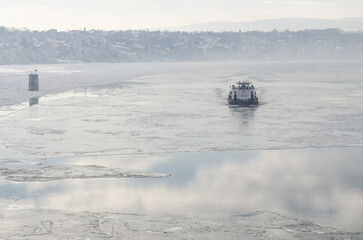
{"points": [[150, 14]]}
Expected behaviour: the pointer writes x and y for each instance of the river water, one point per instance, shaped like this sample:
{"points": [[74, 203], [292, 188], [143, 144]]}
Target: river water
{"points": [[159, 140]]}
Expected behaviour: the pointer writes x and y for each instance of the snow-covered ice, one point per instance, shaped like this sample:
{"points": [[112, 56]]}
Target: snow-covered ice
{"points": [[51, 224]]}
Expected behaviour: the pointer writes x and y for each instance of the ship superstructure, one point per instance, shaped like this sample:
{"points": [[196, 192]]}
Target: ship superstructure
{"points": [[243, 93]]}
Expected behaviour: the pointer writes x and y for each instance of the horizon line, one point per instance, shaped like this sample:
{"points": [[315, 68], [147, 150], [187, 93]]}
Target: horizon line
{"points": [[169, 28]]}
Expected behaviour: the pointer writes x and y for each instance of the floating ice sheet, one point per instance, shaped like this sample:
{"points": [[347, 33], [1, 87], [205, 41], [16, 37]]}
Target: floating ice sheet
{"points": [[60, 172], [51, 224]]}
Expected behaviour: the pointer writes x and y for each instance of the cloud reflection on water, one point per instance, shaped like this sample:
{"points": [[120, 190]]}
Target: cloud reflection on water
{"points": [[323, 185]]}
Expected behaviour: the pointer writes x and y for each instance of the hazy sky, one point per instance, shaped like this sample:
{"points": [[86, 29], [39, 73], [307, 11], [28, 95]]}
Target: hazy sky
{"points": [[142, 14]]}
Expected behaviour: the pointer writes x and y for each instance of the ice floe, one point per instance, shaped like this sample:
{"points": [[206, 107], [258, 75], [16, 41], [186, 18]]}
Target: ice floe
{"points": [[60, 172]]}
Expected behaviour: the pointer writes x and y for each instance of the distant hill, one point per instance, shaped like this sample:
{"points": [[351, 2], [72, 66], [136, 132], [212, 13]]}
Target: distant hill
{"points": [[281, 24]]}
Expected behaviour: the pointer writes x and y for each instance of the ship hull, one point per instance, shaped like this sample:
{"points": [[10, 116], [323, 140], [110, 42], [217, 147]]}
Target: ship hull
{"points": [[247, 102]]}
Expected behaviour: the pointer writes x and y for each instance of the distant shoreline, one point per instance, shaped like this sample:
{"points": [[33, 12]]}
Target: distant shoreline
{"points": [[96, 46]]}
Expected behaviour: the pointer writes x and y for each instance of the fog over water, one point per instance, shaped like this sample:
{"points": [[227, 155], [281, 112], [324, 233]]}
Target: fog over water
{"points": [[125, 145]]}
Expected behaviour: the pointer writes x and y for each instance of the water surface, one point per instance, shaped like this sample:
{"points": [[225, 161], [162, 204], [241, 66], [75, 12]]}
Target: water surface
{"points": [[297, 153]]}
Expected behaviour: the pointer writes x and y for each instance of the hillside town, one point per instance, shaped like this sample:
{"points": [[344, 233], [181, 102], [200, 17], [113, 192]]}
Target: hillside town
{"points": [[52, 46]]}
